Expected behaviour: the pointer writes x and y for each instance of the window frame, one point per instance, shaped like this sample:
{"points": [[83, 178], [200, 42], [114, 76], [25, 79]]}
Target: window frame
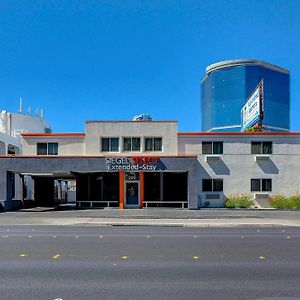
{"points": [[153, 138], [47, 148], [131, 143], [110, 144], [213, 185], [213, 147], [262, 184], [262, 147]]}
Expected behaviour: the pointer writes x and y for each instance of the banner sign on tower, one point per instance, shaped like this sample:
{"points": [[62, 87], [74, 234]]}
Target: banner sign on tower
{"points": [[252, 111]]}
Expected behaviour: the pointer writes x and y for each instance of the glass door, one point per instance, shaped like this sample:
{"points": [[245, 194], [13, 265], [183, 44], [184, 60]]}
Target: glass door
{"points": [[132, 194]]}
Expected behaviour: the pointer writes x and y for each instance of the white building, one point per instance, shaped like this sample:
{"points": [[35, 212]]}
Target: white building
{"points": [[150, 164]]}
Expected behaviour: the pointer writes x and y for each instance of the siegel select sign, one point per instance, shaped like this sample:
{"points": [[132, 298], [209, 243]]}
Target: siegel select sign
{"points": [[131, 164]]}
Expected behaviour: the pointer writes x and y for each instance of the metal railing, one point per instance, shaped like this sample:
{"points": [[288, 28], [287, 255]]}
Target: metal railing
{"points": [[182, 203], [91, 203]]}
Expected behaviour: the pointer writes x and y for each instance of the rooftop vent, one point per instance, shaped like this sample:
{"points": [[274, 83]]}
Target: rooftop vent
{"points": [[142, 117]]}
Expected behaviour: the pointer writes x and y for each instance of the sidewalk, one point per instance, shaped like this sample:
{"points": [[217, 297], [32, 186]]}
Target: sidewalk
{"points": [[152, 217]]}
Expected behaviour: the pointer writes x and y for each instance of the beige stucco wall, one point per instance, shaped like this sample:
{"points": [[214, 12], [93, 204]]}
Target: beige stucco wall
{"points": [[67, 146], [165, 129]]}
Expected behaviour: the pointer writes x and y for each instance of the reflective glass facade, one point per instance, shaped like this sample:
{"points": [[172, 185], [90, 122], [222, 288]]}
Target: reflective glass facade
{"points": [[224, 92]]}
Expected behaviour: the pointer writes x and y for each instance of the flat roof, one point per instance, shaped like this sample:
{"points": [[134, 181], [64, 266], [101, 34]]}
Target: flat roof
{"points": [[238, 133], [38, 134], [242, 62], [131, 121]]}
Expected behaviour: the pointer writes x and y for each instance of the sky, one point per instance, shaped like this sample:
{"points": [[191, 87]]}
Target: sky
{"points": [[110, 60]]}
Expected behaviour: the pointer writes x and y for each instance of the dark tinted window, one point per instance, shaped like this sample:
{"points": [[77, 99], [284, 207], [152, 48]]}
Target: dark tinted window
{"points": [[266, 185], [52, 148], [41, 148], [206, 185], [255, 185], [267, 147], [256, 148], [206, 147], [217, 185], [217, 147], [105, 144], [114, 144]]}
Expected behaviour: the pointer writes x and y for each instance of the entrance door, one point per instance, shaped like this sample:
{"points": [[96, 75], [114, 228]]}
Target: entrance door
{"points": [[132, 194]]}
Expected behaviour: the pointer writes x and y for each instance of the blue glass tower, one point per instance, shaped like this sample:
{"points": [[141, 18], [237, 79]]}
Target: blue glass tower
{"points": [[227, 85]]}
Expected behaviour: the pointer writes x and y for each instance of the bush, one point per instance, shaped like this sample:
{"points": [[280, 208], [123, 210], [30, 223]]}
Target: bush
{"points": [[285, 202], [238, 201]]}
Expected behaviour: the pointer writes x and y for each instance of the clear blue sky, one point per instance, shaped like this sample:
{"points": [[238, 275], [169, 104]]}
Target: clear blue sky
{"points": [[110, 60]]}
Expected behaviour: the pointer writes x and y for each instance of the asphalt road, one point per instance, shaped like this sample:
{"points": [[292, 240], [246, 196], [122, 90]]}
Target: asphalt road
{"points": [[56, 262]]}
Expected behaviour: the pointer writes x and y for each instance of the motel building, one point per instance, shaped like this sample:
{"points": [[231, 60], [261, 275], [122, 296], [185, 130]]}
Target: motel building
{"points": [[143, 164]]}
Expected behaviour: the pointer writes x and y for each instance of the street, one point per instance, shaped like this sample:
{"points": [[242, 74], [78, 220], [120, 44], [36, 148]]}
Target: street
{"points": [[77, 262]]}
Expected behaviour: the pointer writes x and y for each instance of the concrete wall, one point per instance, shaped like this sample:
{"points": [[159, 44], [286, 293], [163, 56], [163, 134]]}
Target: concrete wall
{"points": [[67, 146], [165, 129], [6, 141], [237, 166], [13, 123]]}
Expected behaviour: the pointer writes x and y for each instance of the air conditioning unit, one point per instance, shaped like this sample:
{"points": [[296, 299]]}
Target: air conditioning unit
{"points": [[214, 196], [262, 157], [261, 196], [210, 158]]}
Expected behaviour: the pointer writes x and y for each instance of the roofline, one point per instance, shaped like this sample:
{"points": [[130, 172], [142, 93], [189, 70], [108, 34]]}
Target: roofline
{"points": [[96, 156], [130, 121], [53, 134], [238, 133], [240, 62]]}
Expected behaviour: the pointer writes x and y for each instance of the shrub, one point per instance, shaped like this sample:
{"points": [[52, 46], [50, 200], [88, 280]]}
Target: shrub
{"points": [[239, 201], [284, 202]]}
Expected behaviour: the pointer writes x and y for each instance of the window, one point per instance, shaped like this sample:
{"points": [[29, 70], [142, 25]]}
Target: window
{"points": [[261, 147], [153, 144], [47, 148], [212, 147], [109, 144], [261, 185], [131, 144], [212, 185]]}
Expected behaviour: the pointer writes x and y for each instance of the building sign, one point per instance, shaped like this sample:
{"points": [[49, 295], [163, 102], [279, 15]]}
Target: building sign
{"points": [[252, 111], [132, 164]]}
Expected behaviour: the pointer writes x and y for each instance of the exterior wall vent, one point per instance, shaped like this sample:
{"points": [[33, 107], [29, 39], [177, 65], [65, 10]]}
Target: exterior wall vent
{"points": [[261, 196], [214, 196], [261, 157], [210, 158]]}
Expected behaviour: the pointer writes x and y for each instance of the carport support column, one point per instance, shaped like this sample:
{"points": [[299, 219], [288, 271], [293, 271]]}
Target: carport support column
{"points": [[121, 189], [142, 189], [161, 191]]}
